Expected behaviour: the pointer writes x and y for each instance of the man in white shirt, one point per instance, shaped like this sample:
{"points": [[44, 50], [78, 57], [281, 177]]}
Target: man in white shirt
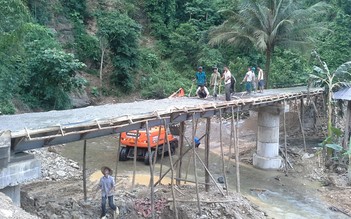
{"points": [[202, 92], [260, 79], [249, 78], [227, 82]]}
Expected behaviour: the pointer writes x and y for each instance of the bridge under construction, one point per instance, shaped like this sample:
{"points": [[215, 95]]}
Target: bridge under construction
{"points": [[22, 132]]}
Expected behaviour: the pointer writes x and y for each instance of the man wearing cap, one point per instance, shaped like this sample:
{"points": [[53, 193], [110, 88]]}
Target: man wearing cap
{"points": [[107, 186], [200, 77], [215, 80]]}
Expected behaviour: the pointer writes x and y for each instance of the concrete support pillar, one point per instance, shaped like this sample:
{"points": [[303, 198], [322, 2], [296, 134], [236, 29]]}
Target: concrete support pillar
{"points": [[22, 168], [5, 145], [267, 156]]}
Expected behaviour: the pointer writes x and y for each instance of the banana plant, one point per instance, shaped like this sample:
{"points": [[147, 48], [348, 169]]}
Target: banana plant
{"points": [[331, 81]]}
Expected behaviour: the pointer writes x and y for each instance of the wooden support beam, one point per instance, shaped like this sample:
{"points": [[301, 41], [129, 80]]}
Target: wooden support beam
{"points": [[207, 153], [117, 157], [237, 162], [151, 184], [180, 151], [347, 127], [194, 126], [84, 170], [135, 158], [172, 174], [222, 152]]}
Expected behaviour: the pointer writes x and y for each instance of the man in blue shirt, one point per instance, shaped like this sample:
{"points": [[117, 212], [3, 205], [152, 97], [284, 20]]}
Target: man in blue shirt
{"points": [[107, 186], [200, 77]]}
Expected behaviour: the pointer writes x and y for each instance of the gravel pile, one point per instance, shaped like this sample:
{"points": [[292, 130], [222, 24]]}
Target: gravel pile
{"points": [[54, 166]]}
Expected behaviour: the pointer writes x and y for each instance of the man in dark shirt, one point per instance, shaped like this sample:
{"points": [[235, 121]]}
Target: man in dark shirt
{"points": [[200, 77]]}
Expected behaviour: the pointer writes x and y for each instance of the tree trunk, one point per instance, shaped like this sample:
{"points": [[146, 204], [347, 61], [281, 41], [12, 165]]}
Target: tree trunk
{"points": [[268, 64]]}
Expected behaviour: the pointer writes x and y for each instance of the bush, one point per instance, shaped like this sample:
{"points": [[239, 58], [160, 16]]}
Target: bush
{"points": [[163, 82]]}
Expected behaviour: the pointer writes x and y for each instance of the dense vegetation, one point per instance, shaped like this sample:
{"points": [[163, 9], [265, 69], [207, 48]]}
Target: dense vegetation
{"points": [[48, 48]]}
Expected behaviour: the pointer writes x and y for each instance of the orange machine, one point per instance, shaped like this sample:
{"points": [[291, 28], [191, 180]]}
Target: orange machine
{"points": [[157, 137]]}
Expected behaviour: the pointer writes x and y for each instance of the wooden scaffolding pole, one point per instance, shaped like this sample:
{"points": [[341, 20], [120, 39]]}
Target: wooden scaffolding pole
{"points": [[285, 142], [222, 152], [180, 153], [169, 169], [193, 140], [172, 173], [345, 144], [236, 146], [207, 153], [135, 158], [195, 167], [232, 139], [301, 119], [151, 184], [163, 153], [85, 170], [208, 171], [158, 142], [117, 159]]}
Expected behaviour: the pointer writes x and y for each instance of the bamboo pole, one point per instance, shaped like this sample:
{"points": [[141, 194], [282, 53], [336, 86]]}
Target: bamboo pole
{"points": [[195, 167], [181, 145], [285, 143], [191, 156], [135, 158], [85, 170], [162, 153], [301, 124], [232, 135], [222, 152], [237, 163], [207, 153], [118, 150], [172, 173], [152, 198], [169, 169], [158, 142], [209, 173]]}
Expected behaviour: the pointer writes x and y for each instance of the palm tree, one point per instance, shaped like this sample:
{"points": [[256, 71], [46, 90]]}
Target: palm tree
{"points": [[266, 24]]}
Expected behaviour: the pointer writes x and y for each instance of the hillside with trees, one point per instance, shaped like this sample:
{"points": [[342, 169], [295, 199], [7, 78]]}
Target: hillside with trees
{"points": [[115, 48]]}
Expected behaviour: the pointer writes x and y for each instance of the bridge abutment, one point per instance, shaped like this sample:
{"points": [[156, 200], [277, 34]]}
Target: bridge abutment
{"points": [[267, 155], [15, 169]]}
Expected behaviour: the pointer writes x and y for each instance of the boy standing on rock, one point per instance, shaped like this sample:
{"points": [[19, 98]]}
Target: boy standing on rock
{"points": [[107, 186]]}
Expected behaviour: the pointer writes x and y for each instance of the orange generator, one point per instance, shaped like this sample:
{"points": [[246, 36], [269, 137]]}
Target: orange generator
{"points": [[158, 143]]}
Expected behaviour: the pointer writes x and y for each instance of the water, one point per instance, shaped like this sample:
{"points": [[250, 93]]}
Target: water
{"points": [[278, 195]]}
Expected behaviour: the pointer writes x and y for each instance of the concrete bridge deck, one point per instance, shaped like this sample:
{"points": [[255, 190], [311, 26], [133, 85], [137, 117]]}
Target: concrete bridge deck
{"points": [[33, 130]]}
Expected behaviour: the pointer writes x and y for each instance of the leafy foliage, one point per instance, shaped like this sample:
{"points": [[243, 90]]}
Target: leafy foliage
{"points": [[267, 24], [163, 82], [184, 46], [123, 34]]}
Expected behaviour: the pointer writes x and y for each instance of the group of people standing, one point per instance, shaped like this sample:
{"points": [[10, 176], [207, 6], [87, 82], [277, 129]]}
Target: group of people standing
{"points": [[229, 82], [251, 81]]}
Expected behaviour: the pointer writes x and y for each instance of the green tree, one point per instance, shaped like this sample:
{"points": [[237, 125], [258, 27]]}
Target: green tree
{"points": [[266, 24], [13, 17], [184, 46], [50, 73], [122, 34]]}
